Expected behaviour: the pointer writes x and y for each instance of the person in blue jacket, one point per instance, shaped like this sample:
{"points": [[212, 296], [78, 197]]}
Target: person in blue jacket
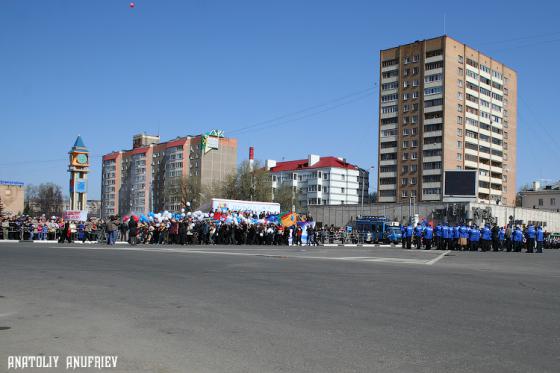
{"points": [[486, 234], [540, 239], [403, 235], [418, 230], [517, 237], [531, 235], [474, 238], [444, 236], [437, 236], [428, 237], [455, 242], [501, 238], [409, 233]]}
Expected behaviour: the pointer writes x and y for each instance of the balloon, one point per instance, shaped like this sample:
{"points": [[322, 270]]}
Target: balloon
{"points": [[182, 210], [132, 5], [188, 204]]}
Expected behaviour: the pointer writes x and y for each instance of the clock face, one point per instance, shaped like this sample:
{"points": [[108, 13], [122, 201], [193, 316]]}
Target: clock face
{"points": [[81, 158]]}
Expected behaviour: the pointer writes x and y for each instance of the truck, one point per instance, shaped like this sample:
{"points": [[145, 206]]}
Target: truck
{"points": [[378, 229]]}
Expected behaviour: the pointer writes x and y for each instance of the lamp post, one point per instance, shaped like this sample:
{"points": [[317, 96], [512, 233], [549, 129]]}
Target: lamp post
{"points": [[363, 188]]}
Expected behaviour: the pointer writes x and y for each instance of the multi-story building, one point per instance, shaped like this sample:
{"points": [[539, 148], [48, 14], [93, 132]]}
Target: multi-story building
{"points": [[445, 106], [141, 179], [542, 198], [320, 180]]}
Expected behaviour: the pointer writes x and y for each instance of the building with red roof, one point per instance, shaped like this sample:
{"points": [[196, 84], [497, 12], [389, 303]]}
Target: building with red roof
{"points": [[321, 180]]}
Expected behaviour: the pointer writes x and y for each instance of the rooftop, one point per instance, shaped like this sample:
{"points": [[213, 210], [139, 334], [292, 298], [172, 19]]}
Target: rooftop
{"points": [[303, 164]]}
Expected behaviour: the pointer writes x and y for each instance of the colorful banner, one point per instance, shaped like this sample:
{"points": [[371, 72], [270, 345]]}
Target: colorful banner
{"points": [[75, 215], [289, 219]]}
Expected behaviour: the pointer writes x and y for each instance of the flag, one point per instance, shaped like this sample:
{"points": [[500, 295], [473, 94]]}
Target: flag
{"points": [[288, 219]]}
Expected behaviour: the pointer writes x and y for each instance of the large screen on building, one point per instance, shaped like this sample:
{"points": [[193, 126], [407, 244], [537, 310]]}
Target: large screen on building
{"points": [[459, 183]]}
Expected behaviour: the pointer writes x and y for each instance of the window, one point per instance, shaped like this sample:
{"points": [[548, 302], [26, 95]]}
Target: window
{"points": [[414, 155], [390, 74], [459, 156], [460, 71], [405, 96], [405, 156], [413, 168], [390, 109], [415, 70], [416, 58], [406, 72], [413, 193], [343, 190], [404, 181], [432, 91], [460, 59], [553, 202], [459, 144], [405, 144], [404, 194], [391, 97], [437, 52], [414, 119], [460, 96], [389, 86], [415, 94], [404, 169], [460, 83], [433, 78], [412, 131], [415, 83], [405, 84], [413, 181], [405, 131], [541, 202], [459, 132], [406, 60], [460, 120], [459, 108]]}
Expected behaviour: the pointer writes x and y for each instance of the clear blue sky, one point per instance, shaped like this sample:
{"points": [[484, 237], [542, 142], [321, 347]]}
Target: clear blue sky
{"points": [[105, 71]]}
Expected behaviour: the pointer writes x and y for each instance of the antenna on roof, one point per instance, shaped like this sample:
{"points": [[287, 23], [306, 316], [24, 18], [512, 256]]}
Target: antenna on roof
{"points": [[444, 23]]}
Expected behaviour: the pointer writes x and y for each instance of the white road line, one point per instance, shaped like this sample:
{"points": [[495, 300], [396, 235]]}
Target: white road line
{"points": [[357, 259], [438, 258]]}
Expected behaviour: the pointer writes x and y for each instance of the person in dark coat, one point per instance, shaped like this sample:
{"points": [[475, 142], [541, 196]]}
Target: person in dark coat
{"points": [[132, 230]]}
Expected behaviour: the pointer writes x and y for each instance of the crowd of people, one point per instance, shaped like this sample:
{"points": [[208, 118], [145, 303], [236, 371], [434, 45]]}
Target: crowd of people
{"points": [[473, 238], [248, 228]]}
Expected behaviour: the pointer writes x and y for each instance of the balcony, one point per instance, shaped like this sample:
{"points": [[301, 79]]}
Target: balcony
{"points": [[388, 162], [431, 197], [436, 171], [388, 187], [434, 59], [388, 174], [433, 121], [433, 109], [433, 134], [387, 199], [435, 158], [432, 146], [436, 184], [388, 150]]}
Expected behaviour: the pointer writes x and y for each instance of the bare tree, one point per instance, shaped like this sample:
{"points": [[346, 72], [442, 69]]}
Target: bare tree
{"points": [[249, 184], [45, 199], [183, 191], [287, 197]]}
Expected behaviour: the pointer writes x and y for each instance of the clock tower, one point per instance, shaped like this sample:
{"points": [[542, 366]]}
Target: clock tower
{"points": [[78, 168]]}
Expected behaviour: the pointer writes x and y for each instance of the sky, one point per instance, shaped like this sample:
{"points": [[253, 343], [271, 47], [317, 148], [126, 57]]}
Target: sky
{"points": [[289, 77]]}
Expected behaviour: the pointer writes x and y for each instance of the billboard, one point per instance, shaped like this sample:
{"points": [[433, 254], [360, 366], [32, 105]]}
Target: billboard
{"points": [[219, 204], [460, 183], [75, 215]]}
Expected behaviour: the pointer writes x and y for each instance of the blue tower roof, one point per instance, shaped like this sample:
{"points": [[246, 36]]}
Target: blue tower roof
{"points": [[79, 142]]}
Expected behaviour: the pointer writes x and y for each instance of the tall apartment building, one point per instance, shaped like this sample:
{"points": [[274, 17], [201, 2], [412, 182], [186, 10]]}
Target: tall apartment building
{"points": [[445, 106], [139, 180], [320, 180]]}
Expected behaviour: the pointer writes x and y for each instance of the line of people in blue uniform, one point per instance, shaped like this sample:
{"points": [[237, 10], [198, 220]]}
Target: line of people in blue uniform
{"points": [[473, 238]]}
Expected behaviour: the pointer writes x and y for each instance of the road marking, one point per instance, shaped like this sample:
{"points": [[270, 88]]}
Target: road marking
{"points": [[438, 258], [281, 255]]}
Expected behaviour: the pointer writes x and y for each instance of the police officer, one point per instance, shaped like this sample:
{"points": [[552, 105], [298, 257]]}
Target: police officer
{"points": [[517, 238], [418, 236], [444, 237], [474, 237], [486, 238], [501, 238], [531, 235], [409, 233], [428, 236], [455, 242], [403, 235], [540, 239], [438, 238]]}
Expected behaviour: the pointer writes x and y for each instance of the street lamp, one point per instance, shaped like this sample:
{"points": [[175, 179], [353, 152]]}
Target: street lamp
{"points": [[363, 188]]}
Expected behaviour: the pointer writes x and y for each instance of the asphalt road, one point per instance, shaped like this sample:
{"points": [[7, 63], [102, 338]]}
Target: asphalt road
{"points": [[249, 309]]}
